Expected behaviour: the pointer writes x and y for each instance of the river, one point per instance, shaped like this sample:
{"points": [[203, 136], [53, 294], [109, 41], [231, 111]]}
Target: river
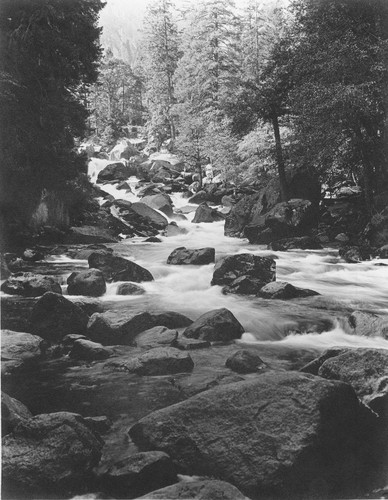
{"points": [[315, 322]]}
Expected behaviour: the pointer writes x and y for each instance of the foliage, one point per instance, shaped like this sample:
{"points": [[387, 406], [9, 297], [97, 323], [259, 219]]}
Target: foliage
{"points": [[339, 54], [50, 52], [115, 100], [160, 56]]}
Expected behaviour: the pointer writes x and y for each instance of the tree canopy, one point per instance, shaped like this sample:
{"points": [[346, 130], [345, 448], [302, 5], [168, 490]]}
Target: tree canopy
{"points": [[50, 52]]}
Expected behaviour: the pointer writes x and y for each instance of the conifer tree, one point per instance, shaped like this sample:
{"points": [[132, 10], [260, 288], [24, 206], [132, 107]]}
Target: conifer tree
{"points": [[160, 54], [50, 51]]}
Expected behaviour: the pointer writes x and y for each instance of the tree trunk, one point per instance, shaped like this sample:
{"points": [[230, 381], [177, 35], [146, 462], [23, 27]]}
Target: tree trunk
{"points": [[280, 160], [199, 170], [368, 172]]}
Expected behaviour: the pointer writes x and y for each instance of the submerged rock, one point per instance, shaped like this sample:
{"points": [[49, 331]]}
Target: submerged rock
{"points": [[159, 361], [188, 256], [90, 282], [115, 268], [49, 455], [53, 317], [197, 489], [281, 435], [30, 285], [215, 326]]}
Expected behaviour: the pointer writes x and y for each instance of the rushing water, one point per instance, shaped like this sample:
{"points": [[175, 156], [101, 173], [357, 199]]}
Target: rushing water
{"points": [[316, 322], [343, 287]]}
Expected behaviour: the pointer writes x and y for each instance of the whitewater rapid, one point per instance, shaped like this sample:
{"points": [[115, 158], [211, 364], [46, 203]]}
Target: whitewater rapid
{"points": [[315, 323]]}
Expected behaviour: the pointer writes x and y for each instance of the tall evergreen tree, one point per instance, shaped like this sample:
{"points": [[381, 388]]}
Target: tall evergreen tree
{"points": [[206, 76], [160, 55], [50, 52], [339, 62], [264, 81]]}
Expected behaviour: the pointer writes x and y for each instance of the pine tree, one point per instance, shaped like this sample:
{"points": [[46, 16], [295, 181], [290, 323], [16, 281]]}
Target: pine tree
{"points": [[160, 53], [264, 81], [50, 52], [338, 58], [206, 76]]}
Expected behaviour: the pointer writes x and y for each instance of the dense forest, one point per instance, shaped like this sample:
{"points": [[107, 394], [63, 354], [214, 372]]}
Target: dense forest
{"points": [[257, 91], [264, 88]]}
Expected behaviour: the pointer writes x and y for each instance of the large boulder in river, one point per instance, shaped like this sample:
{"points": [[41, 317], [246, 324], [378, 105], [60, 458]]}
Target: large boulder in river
{"points": [[197, 489], [250, 208], [19, 351], [198, 257], [204, 213], [160, 202], [116, 268], [261, 269], [149, 214], [280, 435], [295, 217], [53, 317], [30, 285], [365, 369], [117, 327], [116, 172], [90, 282], [219, 325], [160, 361], [49, 456]]}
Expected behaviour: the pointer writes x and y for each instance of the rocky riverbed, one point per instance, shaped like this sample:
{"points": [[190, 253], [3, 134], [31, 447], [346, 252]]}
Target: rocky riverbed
{"points": [[184, 363]]}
